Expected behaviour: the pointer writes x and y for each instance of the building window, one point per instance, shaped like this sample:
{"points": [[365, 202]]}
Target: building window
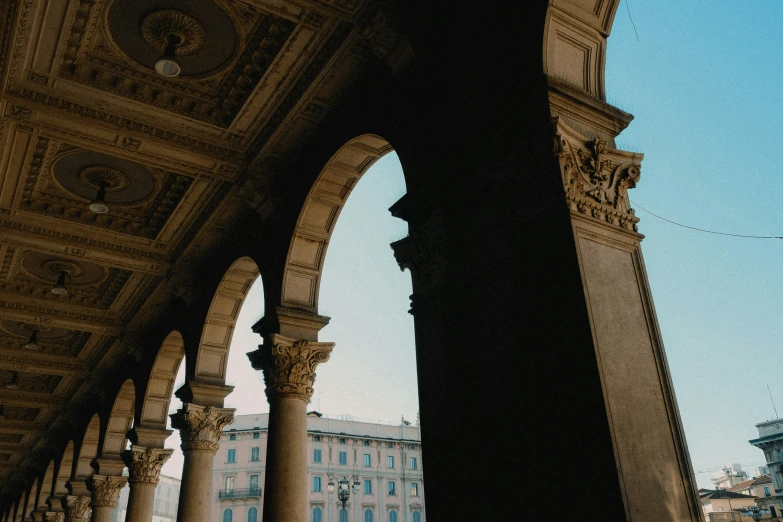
{"points": [[414, 489], [157, 505], [232, 437], [343, 515], [317, 514], [368, 487], [366, 442], [766, 491], [390, 445], [228, 516], [416, 516], [390, 462], [392, 516], [317, 484], [368, 515], [367, 460], [252, 515], [342, 440], [343, 458], [255, 454], [253, 485], [317, 438], [232, 456], [317, 456], [256, 435], [392, 488], [229, 483], [414, 464]]}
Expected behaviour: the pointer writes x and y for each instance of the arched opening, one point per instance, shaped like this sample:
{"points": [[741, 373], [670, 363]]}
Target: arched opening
{"points": [[62, 473], [45, 486], [161, 383], [120, 421], [87, 451]]}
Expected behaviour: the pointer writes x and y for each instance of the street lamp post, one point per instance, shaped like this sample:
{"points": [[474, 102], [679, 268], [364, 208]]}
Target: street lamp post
{"points": [[343, 489], [755, 512]]}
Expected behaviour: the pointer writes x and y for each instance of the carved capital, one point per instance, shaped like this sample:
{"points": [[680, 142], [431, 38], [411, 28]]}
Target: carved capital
{"points": [[77, 508], [596, 177], [106, 490], [200, 427], [144, 464], [54, 516], [289, 365]]}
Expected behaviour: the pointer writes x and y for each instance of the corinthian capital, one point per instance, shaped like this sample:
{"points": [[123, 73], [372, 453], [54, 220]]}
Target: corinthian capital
{"points": [[200, 427], [597, 177], [77, 508], [144, 464], [289, 365], [106, 490], [54, 516]]}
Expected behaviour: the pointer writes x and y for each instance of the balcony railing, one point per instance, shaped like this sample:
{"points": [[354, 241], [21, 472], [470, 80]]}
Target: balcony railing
{"points": [[239, 493]]}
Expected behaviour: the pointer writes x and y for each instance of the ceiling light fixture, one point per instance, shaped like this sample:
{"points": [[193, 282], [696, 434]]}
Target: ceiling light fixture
{"points": [[98, 205], [14, 384], [59, 287], [32, 344], [167, 65]]}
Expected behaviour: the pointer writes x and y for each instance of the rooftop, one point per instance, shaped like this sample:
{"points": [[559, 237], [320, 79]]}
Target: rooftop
{"points": [[714, 494]]}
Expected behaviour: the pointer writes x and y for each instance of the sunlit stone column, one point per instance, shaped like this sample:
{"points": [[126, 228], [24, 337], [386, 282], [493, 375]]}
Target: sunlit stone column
{"points": [[200, 429], [54, 516], [144, 465], [77, 508], [105, 492], [289, 372]]}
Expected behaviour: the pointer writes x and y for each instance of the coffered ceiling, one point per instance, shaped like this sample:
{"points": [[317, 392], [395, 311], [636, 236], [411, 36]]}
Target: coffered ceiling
{"points": [[181, 159]]}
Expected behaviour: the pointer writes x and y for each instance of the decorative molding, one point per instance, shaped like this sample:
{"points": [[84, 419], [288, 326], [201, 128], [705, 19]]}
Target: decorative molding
{"points": [[77, 508], [200, 427], [106, 490], [144, 464], [54, 516], [289, 365], [596, 177]]}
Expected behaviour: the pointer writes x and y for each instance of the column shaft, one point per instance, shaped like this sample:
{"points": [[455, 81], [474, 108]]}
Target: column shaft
{"points": [[286, 461], [144, 465]]}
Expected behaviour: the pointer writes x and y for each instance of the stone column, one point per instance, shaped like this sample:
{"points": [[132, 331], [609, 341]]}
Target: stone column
{"points": [[289, 372], [77, 508], [200, 429], [105, 492], [144, 465], [54, 516]]}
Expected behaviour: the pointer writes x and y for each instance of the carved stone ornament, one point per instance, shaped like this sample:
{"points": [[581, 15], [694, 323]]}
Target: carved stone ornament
{"points": [[200, 427], [596, 177], [77, 508], [54, 516], [106, 490], [159, 24], [289, 365], [144, 464]]}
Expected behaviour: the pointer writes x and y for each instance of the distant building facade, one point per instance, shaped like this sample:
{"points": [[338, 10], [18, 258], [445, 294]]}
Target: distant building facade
{"points": [[166, 501], [729, 476], [770, 441], [383, 460]]}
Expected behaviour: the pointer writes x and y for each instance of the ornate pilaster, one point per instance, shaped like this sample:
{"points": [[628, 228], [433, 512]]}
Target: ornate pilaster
{"points": [[77, 508], [144, 464], [200, 426], [596, 177], [289, 365], [106, 490]]}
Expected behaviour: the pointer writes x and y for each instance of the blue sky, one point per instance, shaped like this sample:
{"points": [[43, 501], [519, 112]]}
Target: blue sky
{"points": [[703, 83]]}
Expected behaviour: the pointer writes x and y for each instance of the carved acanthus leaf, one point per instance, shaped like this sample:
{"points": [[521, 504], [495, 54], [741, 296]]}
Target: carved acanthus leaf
{"points": [[106, 490], [289, 365], [144, 464], [200, 426], [77, 508]]}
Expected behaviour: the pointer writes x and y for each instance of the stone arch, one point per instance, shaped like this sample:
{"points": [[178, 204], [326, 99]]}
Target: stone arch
{"points": [[160, 387], [327, 197], [62, 472], [120, 420], [212, 356], [45, 487], [88, 450]]}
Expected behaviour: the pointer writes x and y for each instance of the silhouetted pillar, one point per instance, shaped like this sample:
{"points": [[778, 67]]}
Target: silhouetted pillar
{"points": [[105, 492], [200, 429], [289, 372], [144, 465]]}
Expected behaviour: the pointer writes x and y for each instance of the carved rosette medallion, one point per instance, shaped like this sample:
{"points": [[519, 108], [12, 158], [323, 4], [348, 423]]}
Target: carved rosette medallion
{"points": [[289, 365], [159, 24], [97, 176], [77, 508], [596, 177], [200, 427], [54, 516], [144, 464], [106, 490]]}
